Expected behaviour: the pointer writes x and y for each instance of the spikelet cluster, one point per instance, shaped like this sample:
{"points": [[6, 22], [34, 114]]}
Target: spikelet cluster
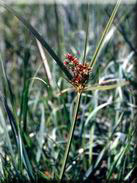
{"points": [[80, 71]]}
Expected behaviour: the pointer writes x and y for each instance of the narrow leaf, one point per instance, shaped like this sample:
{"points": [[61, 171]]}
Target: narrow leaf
{"points": [[18, 140], [108, 26], [91, 144], [106, 86], [87, 30], [37, 78]]}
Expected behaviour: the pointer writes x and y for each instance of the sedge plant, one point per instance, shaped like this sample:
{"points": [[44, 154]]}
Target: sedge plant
{"points": [[77, 74]]}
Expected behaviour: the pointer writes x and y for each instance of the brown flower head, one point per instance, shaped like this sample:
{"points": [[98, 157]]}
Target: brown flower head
{"points": [[80, 71]]}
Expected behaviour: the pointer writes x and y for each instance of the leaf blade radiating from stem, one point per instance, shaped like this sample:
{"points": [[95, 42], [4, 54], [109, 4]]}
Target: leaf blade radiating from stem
{"points": [[108, 26], [106, 87]]}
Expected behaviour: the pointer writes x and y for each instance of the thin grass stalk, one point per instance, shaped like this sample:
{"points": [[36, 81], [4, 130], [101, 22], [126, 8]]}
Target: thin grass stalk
{"points": [[60, 30], [87, 30], [70, 136], [108, 26], [25, 105], [59, 37]]}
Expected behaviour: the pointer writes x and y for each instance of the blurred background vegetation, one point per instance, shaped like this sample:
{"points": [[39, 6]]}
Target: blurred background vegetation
{"points": [[103, 147]]}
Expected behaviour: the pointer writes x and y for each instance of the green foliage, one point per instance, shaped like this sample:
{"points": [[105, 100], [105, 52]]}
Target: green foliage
{"points": [[39, 107]]}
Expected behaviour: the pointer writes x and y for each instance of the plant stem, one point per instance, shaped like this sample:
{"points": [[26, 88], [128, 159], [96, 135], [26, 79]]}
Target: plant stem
{"points": [[70, 136], [60, 30], [87, 30]]}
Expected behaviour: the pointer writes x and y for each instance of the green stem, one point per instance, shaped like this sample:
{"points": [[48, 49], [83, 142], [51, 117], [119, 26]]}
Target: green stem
{"points": [[87, 30], [70, 137]]}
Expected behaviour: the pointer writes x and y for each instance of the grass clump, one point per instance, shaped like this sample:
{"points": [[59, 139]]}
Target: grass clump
{"points": [[89, 97]]}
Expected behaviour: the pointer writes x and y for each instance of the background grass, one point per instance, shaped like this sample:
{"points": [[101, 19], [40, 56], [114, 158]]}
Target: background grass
{"points": [[35, 120]]}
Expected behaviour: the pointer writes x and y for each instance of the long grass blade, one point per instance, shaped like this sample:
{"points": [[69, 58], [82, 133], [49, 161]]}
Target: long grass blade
{"points": [[25, 100], [37, 78], [6, 81], [108, 26], [19, 142], [91, 144], [41, 133], [40, 38]]}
